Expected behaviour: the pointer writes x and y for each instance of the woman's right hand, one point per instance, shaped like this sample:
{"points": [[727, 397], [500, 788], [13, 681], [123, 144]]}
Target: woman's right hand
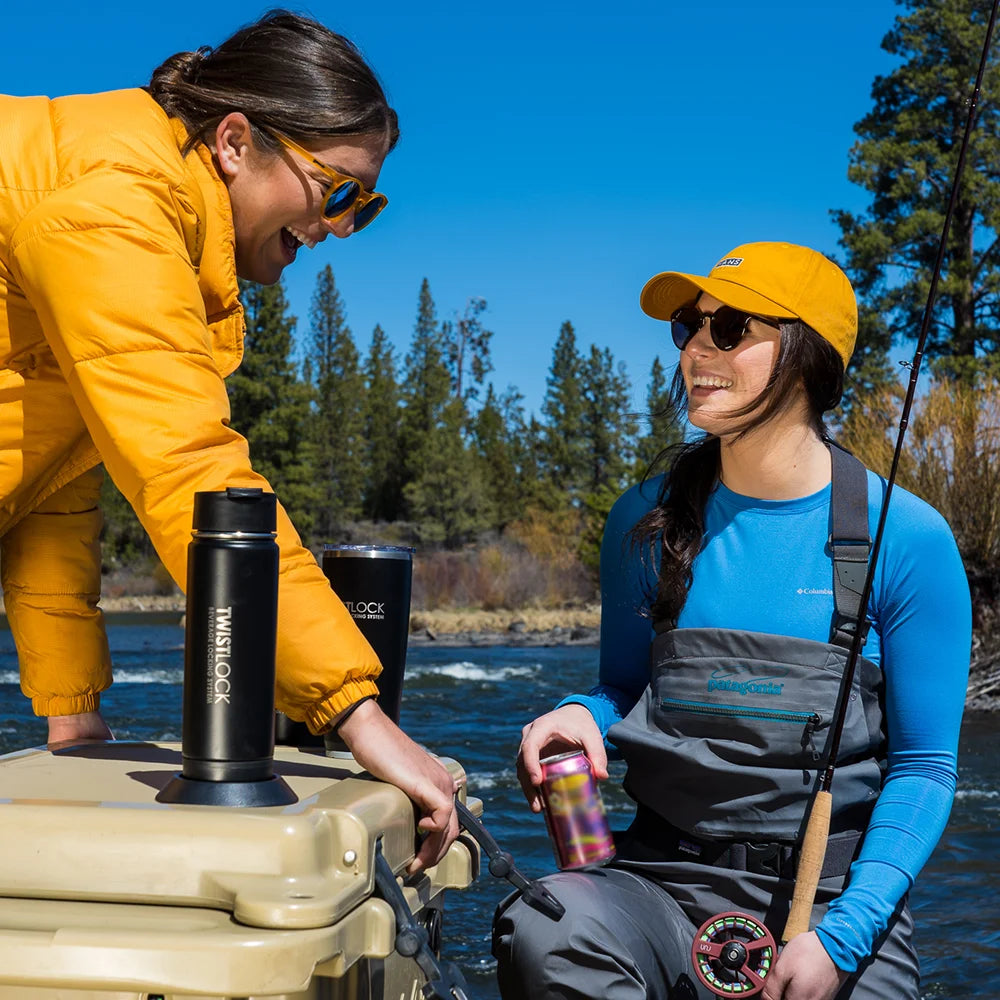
{"points": [[571, 727]]}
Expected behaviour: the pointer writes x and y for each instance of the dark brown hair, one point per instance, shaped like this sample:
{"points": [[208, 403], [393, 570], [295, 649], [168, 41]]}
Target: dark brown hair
{"points": [[286, 73], [676, 525]]}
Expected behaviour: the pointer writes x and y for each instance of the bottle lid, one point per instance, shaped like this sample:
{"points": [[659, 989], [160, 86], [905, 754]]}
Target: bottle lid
{"points": [[246, 509]]}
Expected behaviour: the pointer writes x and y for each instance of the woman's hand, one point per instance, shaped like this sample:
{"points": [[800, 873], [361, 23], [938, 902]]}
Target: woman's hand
{"points": [[804, 971], [571, 727], [387, 753], [85, 727]]}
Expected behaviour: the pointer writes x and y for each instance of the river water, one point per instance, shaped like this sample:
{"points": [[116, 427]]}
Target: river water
{"points": [[470, 704]]}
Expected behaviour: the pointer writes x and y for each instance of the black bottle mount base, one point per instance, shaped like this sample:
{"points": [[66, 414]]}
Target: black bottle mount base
{"points": [[272, 791]]}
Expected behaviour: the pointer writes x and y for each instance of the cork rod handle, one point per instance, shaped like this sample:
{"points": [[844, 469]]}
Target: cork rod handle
{"points": [[810, 865]]}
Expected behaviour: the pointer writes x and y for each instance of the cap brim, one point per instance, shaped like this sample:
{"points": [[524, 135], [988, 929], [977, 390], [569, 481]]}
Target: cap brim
{"points": [[665, 293]]}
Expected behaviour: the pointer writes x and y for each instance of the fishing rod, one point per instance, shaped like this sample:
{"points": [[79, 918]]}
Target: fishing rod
{"points": [[736, 944]]}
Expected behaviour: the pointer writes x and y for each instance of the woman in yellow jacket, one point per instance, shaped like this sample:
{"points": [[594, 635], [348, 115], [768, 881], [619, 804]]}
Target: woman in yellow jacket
{"points": [[125, 219]]}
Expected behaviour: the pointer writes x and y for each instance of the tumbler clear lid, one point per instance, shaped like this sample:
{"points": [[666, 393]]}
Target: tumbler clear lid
{"points": [[368, 551]]}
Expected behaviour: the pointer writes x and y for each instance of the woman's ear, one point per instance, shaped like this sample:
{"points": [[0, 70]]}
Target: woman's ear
{"points": [[233, 142]]}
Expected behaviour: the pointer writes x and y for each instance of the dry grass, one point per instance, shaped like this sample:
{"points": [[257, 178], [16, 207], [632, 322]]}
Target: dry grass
{"points": [[951, 458], [451, 620]]}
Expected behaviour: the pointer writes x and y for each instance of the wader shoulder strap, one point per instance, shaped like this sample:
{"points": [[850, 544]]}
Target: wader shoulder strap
{"points": [[850, 543]]}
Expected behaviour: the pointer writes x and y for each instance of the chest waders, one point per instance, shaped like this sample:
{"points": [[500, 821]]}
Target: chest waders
{"points": [[727, 745]]}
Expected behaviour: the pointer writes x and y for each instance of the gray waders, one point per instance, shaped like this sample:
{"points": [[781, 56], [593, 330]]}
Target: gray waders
{"points": [[724, 750]]}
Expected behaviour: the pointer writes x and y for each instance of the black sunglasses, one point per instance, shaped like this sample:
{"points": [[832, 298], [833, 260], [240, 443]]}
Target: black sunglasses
{"points": [[727, 326]]}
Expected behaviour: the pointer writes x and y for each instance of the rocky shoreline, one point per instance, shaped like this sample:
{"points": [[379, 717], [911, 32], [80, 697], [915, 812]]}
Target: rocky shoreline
{"points": [[500, 627], [514, 636]]}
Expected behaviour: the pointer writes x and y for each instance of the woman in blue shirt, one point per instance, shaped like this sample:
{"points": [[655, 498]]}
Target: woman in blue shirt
{"points": [[728, 557]]}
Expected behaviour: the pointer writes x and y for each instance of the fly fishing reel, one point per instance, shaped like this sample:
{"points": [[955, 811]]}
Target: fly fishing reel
{"points": [[733, 953]]}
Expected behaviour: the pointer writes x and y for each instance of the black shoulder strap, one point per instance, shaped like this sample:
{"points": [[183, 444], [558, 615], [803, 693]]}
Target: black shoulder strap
{"points": [[850, 543]]}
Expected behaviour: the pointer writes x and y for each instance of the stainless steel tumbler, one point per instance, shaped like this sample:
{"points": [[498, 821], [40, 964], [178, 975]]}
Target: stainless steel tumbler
{"points": [[374, 583]]}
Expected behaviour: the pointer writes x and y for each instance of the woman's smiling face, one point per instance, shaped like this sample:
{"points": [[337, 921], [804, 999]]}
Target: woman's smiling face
{"points": [[277, 198], [721, 383]]}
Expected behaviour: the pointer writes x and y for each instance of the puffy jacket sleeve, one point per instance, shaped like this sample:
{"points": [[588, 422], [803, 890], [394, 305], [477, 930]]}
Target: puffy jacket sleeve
{"points": [[107, 263], [51, 570]]}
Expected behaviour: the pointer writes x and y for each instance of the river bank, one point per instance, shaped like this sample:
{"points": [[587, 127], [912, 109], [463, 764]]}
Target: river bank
{"points": [[527, 627], [452, 627]]}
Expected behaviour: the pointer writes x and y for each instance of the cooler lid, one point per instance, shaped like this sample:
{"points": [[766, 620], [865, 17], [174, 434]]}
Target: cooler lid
{"points": [[83, 823]]}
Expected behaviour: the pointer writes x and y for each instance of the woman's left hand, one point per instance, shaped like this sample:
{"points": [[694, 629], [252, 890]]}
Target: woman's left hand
{"points": [[387, 753], [804, 971]]}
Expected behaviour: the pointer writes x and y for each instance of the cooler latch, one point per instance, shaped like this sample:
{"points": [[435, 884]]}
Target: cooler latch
{"points": [[501, 865], [444, 981]]}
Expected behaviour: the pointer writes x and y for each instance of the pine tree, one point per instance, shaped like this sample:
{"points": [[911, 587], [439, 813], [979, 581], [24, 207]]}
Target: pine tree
{"points": [[534, 483], [427, 383], [449, 500], [443, 490], [380, 413], [271, 405], [467, 343], [608, 425], [609, 432], [499, 434], [906, 156], [665, 425], [336, 429], [565, 457]]}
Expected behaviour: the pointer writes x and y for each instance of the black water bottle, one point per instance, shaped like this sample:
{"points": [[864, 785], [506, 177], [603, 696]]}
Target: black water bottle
{"points": [[229, 653]]}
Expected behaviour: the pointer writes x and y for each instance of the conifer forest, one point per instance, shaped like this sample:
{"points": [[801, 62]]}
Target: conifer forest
{"points": [[365, 443]]}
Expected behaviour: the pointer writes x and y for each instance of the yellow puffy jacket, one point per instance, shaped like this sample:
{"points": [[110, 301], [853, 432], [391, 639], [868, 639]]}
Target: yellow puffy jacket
{"points": [[119, 320]]}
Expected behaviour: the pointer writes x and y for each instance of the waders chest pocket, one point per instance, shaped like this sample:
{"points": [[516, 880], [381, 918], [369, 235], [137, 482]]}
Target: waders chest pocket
{"points": [[781, 731]]}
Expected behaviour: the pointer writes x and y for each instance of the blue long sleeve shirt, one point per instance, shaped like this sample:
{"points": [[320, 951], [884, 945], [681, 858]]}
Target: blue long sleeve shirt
{"points": [[765, 567]]}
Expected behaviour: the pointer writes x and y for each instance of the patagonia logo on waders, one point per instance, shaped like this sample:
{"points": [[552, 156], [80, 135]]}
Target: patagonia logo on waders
{"points": [[720, 681]]}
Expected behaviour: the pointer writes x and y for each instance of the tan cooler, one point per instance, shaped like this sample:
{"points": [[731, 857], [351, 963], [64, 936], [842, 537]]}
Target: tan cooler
{"points": [[110, 895]]}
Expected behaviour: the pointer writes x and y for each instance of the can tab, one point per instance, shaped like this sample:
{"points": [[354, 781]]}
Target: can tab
{"points": [[444, 981], [501, 865]]}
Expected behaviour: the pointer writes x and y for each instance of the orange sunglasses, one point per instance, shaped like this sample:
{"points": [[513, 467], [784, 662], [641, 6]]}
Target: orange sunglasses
{"points": [[345, 193]]}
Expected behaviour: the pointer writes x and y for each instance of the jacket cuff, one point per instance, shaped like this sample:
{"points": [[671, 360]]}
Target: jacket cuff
{"points": [[66, 705], [322, 717]]}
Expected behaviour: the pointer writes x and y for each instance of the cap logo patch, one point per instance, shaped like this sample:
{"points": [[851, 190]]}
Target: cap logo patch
{"points": [[729, 262]]}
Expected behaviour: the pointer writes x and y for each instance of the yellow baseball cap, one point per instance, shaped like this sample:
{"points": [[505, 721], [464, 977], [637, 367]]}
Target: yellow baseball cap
{"points": [[779, 280]]}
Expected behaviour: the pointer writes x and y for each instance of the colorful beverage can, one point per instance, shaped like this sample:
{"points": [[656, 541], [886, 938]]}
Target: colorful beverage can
{"points": [[574, 812]]}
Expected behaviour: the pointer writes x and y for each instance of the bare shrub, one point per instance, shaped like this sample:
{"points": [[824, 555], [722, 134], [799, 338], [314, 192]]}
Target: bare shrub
{"points": [[551, 535], [437, 579], [504, 574], [955, 448], [554, 539]]}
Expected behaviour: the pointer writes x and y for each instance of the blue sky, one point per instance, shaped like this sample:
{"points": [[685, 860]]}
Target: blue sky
{"points": [[554, 155]]}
